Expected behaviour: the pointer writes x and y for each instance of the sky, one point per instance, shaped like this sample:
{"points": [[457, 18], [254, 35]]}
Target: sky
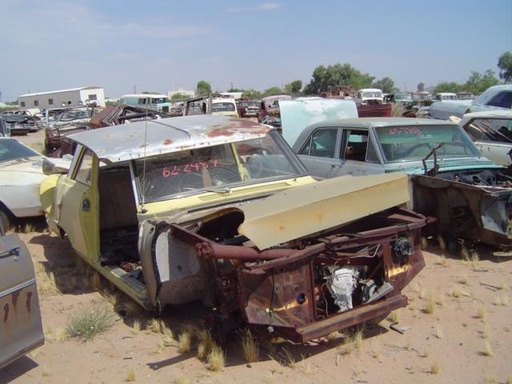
{"points": [[130, 46]]}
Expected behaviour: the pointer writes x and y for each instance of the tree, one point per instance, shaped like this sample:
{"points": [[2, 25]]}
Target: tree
{"points": [[272, 91], [505, 66], [178, 97], [420, 87], [446, 86], [337, 75], [386, 84], [294, 87], [252, 94], [477, 83], [203, 88]]}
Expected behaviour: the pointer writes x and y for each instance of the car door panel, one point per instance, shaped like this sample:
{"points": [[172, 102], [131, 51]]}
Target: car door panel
{"points": [[21, 327]]}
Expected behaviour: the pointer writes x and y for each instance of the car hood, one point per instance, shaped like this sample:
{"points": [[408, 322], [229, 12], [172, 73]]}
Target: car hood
{"points": [[316, 207], [446, 165], [22, 172]]}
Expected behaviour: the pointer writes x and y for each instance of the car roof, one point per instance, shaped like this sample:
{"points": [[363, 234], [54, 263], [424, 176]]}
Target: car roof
{"points": [[367, 123], [489, 114], [153, 137]]}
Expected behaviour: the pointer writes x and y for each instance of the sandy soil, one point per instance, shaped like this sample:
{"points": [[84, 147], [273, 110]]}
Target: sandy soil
{"points": [[457, 328]]}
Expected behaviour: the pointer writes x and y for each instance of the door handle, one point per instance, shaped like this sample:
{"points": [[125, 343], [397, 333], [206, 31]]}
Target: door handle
{"points": [[86, 205]]}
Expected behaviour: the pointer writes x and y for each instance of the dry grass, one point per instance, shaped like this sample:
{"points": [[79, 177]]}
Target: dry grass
{"points": [[488, 349], [180, 380], [464, 280], [439, 332], [435, 368], [250, 347], [205, 344], [501, 299], [481, 313], [54, 336], [431, 305], [131, 376], [185, 341], [216, 359], [136, 327]]}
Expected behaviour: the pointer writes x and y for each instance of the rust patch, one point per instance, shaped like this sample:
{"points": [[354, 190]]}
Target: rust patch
{"points": [[168, 142], [6, 312], [28, 302], [15, 297]]}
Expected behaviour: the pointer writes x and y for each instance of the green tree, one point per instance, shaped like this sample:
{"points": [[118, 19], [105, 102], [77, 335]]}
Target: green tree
{"points": [[272, 91], [420, 87], [252, 94], [203, 88], [505, 66], [386, 84], [477, 82], [294, 87], [446, 86], [337, 75], [178, 97]]}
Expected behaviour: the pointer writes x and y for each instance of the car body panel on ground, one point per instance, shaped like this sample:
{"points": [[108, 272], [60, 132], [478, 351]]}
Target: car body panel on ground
{"points": [[181, 209]]}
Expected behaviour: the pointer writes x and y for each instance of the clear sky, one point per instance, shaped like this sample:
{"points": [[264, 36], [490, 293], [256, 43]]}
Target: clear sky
{"points": [[164, 45]]}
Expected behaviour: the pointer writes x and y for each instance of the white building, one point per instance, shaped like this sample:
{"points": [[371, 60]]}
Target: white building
{"points": [[64, 98]]}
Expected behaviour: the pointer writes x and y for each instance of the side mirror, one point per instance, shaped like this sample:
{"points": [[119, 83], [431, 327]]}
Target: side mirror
{"points": [[56, 166]]}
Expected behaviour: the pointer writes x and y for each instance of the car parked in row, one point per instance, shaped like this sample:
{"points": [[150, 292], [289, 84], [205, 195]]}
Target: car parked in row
{"points": [[495, 97], [221, 210], [21, 174], [491, 132], [452, 180]]}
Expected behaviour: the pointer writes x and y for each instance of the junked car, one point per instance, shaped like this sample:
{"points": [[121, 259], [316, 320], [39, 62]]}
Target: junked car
{"points": [[452, 180], [21, 329], [495, 97], [220, 210], [491, 132], [21, 174]]}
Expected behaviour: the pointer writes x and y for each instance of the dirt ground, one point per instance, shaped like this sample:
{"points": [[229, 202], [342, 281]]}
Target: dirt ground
{"points": [[457, 328]]}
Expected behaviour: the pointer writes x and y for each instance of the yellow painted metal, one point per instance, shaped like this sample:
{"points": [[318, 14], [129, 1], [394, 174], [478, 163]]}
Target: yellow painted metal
{"points": [[315, 207]]}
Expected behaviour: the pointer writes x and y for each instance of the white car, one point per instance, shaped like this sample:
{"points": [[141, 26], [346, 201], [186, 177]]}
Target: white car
{"points": [[492, 133], [21, 173]]}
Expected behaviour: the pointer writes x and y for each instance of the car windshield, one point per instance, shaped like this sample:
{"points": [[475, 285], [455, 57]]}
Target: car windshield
{"points": [[12, 149], [216, 168], [402, 143], [223, 107], [486, 129]]}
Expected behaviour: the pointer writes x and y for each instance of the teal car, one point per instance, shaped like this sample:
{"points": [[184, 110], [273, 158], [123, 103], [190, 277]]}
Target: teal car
{"points": [[451, 179]]}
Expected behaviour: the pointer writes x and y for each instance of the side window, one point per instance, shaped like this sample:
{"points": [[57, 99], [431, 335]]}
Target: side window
{"points": [[356, 145], [84, 169], [503, 100], [322, 143]]}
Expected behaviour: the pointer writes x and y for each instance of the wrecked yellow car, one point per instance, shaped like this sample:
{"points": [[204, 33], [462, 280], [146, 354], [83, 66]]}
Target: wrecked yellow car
{"points": [[220, 210]]}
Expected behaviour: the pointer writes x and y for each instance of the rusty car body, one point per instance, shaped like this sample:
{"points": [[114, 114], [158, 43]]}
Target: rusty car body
{"points": [[451, 179], [219, 210], [21, 328], [491, 132]]}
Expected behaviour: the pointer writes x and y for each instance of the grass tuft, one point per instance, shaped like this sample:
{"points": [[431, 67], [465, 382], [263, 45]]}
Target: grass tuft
{"points": [[89, 322], [435, 368], [250, 347], [130, 376], [216, 359]]}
